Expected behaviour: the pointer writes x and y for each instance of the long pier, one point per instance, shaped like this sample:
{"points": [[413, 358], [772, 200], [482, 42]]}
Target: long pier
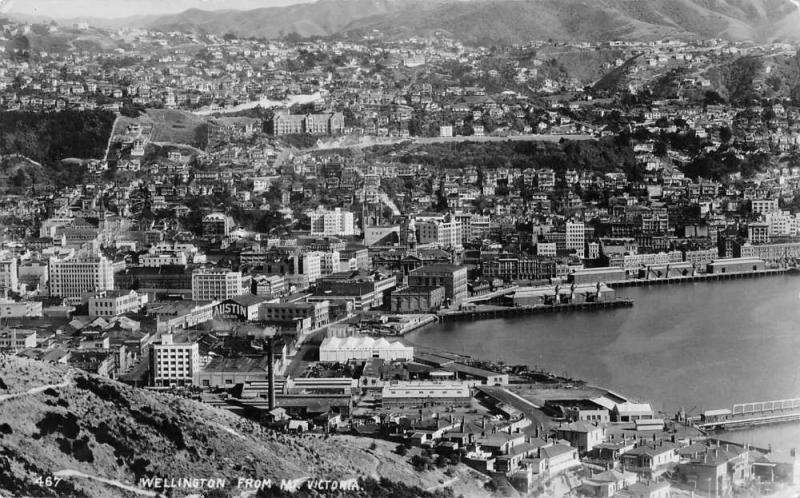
{"points": [[488, 312], [751, 414], [638, 282]]}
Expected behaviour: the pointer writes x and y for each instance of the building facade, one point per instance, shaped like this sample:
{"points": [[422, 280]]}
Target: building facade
{"points": [[453, 278], [209, 285], [284, 123], [113, 303], [72, 278], [174, 363]]}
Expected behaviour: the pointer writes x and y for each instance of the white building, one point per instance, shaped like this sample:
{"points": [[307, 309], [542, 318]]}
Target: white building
{"points": [[576, 238], [72, 278], [208, 285], [174, 364], [12, 309], [546, 249], [17, 339], [113, 303], [782, 223], [326, 223], [9, 273], [329, 262], [163, 259], [444, 232], [343, 349], [409, 393], [764, 206], [311, 266]]}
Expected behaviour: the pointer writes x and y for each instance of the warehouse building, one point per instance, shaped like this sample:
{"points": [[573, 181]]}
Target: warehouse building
{"points": [[341, 350]]}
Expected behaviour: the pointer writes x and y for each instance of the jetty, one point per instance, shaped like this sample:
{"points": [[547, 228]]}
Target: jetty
{"points": [[483, 312], [745, 415], [701, 277]]}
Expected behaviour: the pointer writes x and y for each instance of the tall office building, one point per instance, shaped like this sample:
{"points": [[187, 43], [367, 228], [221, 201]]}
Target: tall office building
{"points": [[576, 238], [453, 278], [326, 223], [74, 277], [9, 273], [174, 363], [208, 285], [446, 232]]}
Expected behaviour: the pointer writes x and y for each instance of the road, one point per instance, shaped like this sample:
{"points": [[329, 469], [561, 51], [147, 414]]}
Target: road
{"points": [[513, 138], [308, 344], [111, 482], [36, 390]]}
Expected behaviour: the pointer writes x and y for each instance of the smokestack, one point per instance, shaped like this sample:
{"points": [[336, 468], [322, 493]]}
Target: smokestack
{"points": [[270, 374]]}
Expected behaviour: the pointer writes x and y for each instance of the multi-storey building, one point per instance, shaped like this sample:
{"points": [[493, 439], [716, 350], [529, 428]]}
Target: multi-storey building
{"points": [[9, 273], [701, 257], [268, 285], [445, 232], [284, 123], [453, 278], [329, 262], [546, 178], [217, 225], [310, 265], [576, 238], [317, 312], [17, 339], [74, 277], [782, 223], [174, 363], [758, 233], [210, 285], [113, 303], [764, 206], [514, 269], [163, 259], [336, 223]]}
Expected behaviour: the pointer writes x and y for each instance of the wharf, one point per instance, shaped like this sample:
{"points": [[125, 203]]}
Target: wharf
{"points": [[751, 414], [488, 312], [638, 282]]}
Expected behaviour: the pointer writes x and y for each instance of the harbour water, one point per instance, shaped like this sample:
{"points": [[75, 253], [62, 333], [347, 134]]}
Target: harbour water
{"points": [[698, 346]]}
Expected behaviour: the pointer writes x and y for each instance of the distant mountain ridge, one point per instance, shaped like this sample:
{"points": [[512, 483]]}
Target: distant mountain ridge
{"points": [[506, 21]]}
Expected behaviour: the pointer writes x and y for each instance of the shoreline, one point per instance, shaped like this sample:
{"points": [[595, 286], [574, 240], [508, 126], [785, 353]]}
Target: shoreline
{"points": [[771, 433]]}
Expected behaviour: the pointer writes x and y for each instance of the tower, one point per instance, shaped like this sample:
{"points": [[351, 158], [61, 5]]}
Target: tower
{"points": [[411, 240]]}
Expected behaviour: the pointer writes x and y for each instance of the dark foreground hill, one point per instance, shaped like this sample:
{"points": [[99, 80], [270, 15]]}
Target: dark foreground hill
{"points": [[101, 438]]}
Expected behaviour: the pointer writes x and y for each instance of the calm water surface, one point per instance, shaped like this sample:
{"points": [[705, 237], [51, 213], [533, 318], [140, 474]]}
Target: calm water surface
{"points": [[698, 346]]}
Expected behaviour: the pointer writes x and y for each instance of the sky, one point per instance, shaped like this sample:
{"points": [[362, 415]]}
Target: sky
{"points": [[65, 9]]}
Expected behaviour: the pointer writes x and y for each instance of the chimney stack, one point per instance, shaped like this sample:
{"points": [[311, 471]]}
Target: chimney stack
{"points": [[270, 373]]}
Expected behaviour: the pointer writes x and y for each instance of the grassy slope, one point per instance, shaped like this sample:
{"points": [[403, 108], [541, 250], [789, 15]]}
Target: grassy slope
{"points": [[161, 435], [175, 126]]}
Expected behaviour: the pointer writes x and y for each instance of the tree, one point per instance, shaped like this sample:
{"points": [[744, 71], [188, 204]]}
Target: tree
{"points": [[713, 98], [725, 134]]}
